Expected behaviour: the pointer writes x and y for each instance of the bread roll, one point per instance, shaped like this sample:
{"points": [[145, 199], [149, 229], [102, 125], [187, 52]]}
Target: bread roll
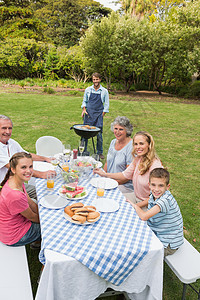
{"points": [[76, 205], [68, 211], [79, 219], [93, 216], [90, 208], [81, 211]]}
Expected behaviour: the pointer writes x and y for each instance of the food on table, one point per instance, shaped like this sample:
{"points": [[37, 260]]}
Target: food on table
{"points": [[65, 168], [76, 205], [79, 213], [77, 192], [79, 219], [93, 216], [71, 176], [83, 164], [71, 186], [90, 208], [68, 211]]}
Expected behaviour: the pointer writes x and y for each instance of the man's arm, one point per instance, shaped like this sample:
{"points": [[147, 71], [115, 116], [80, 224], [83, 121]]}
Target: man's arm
{"points": [[106, 102], [40, 158]]}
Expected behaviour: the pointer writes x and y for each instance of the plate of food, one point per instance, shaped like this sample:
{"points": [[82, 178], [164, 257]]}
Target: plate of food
{"points": [[79, 214], [53, 201], [109, 182], [72, 191]]}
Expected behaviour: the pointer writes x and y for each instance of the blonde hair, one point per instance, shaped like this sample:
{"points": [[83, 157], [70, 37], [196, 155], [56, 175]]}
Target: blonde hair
{"points": [[149, 157]]}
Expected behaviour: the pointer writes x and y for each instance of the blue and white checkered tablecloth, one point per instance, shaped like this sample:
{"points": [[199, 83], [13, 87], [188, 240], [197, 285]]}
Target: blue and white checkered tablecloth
{"points": [[112, 247]]}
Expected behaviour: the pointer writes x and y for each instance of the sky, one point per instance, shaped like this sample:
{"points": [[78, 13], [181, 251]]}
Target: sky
{"points": [[108, 3]]}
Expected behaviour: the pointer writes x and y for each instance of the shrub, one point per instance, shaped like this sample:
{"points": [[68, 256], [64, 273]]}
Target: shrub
{"points": [[48, 90]]}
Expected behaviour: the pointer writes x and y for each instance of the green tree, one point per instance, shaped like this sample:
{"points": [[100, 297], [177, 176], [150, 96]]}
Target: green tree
{"points": [[97, 47], [140, 8], [72, 63], [21, 58], [20, 22], [67, 20]]}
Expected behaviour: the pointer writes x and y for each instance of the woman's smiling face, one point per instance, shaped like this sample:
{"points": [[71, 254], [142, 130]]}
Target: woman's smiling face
{"points": [[24, 169], [120, 132], [141, 146]]}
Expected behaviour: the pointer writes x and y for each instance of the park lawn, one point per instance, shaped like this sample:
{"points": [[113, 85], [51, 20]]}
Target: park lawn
{"points": [[175, 127]]}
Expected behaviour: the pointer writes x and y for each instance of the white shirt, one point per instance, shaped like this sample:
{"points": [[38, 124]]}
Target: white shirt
{"points": [[6, 152]]}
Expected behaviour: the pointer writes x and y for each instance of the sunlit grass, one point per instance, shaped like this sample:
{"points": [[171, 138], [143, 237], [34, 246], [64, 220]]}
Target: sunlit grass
{"points": [[174, 126]]}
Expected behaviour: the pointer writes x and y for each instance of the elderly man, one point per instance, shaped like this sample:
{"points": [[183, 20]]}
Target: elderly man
{"points": [[8, 147]]}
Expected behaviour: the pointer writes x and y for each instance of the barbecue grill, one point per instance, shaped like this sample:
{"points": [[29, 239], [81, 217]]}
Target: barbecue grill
{"points": [[85, 132]]}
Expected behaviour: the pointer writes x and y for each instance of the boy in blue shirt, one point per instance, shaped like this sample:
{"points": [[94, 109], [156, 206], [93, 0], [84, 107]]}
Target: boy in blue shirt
{"points": [[163, 215]]}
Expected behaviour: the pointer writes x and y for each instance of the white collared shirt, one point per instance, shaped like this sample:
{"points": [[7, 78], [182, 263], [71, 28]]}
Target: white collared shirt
{"points": [[6, 152]]}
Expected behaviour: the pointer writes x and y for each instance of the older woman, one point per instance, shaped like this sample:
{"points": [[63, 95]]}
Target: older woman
{"points": [[144, 161], [119, 154]]}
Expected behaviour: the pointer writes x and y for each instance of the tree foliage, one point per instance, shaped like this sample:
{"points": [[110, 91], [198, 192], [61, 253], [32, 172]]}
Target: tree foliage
{"points": [[156, 53], [140, 8], [67, 20], [20, 22], [21, 58]]}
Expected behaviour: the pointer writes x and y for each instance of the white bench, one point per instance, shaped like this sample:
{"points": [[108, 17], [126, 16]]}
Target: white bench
{"points": [[185, 263], [14, 274]]}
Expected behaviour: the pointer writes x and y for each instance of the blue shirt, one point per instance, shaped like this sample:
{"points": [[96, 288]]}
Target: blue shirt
{"points": [[168, 223], [104, 96], [117, 160]]}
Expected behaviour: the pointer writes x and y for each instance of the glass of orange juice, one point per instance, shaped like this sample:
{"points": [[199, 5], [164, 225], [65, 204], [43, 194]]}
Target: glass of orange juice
{"points": [[100, 187], [65, 167], [50, 181]]}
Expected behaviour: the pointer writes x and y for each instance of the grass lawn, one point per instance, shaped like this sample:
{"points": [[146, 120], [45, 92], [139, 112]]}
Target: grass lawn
{"points": [[174, 124]]}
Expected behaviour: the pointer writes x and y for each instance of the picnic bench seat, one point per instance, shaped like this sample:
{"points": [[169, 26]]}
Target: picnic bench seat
{"points": [[185, 263], [14, 274]]}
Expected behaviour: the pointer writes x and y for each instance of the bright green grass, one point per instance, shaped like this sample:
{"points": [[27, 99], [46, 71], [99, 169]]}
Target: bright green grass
{"points": [[174, 126]]}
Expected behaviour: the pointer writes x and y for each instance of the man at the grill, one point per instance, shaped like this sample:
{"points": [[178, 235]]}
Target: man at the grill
{"points": [[95, 105]]}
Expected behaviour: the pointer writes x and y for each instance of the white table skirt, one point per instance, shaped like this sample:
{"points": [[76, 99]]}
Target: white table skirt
{"points": [[65, 278]]}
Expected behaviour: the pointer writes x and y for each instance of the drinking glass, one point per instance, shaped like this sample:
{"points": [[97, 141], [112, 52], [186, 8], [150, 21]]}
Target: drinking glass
{"points": [[100, 187], [95, 159], [50, 181], [54, 161], [67, 149], [81, 147]]}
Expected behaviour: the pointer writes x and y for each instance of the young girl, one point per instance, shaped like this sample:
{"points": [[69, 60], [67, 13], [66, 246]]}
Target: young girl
{"points": [[19, 218]]}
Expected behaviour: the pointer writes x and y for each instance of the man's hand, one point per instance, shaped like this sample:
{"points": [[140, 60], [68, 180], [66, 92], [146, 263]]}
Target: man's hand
{"points": [[83, 112], [49, 159], [44, 174]]}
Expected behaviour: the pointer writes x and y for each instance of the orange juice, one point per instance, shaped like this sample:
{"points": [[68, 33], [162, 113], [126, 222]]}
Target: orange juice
{"points": [[100, 192], [50, 184], [65, 168]]}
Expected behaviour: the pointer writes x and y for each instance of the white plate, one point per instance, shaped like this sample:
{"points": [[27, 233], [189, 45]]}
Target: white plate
{"points": [[68, 218], [106, 205], [53, 201], [72, 199], [109, 183], [43, 166]]}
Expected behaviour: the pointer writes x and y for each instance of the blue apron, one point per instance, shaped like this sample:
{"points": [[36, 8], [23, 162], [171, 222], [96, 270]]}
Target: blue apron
{"points": [[95, 111]]}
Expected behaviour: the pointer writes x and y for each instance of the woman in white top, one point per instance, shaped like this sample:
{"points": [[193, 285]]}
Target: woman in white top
{"points": [[119, 154]]}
